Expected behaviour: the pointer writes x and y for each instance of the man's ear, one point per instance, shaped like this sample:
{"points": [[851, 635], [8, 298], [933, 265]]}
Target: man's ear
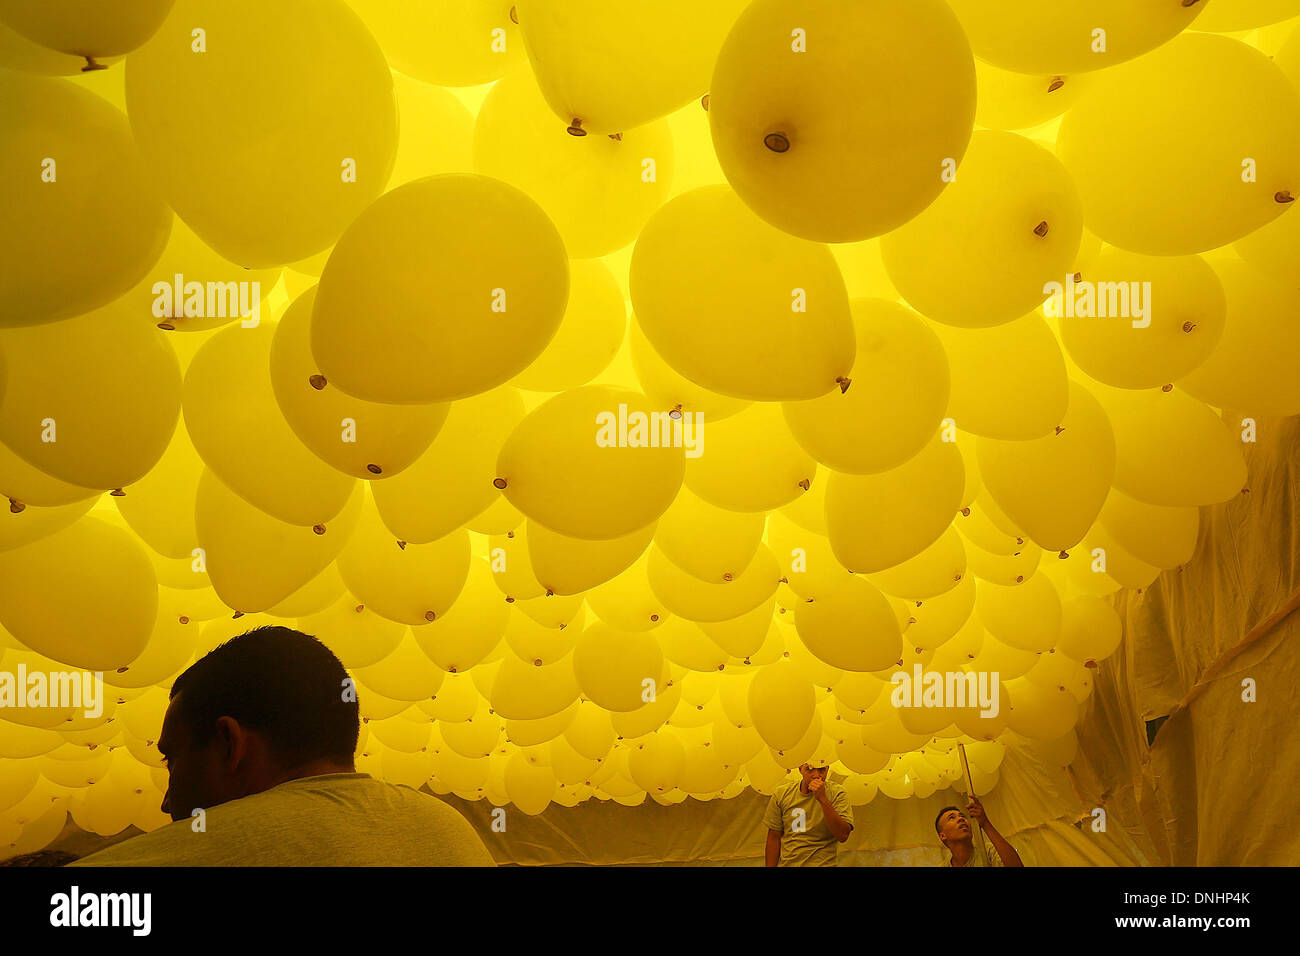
{"points": [[232, 741]]}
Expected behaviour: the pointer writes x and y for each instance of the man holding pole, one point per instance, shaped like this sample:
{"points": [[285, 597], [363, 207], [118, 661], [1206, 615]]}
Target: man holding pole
{"points": [[955, 833]]}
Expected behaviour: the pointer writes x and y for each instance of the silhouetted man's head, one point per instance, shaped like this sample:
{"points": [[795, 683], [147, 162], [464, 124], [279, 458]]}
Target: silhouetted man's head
{"points": [[268, 706], [951, 825]]}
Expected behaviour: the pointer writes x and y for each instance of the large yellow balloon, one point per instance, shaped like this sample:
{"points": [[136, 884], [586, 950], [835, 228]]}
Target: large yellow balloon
{"points": [[1234, 166], [750, 462], [239, 431], [359, 438], [877, 521], [83, 220], [269, 125], [447, 42], [1054, 486], [707, 541], [1228, 15], [442, 289], [898, 393], [86, 596], [18, 52], [160, 506], [436, 132], [589, 336], [566, 565], [1161, 536], [737, 306], [718, 600], [1008, 381], [89, 28], [1252, 365], [852, 627], [91, 401], [833, 119], [599, 191], [782, 705], [619, 670], [595, 462], [1172, 449], [616, 64], [460, 465], [467, 633], [1016, 101], [256, 560], [1031, 37], [669, 388], [982, 253], [408, 583], [1140, 321]]}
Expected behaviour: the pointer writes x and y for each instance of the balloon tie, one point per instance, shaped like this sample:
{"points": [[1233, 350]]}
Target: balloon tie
{"points": [[1057, 83], [1040, 230], [777, 142]]}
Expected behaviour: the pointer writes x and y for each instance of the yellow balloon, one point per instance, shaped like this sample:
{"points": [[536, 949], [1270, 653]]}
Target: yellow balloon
{"points": [[256, 560], [1184, 100], [530, 787], [589, 336], [160, 506], [1040, 713], [750, 462], [523, 690], [852, 627], [238, 429], [619, 670], [720, 600], [1031, 37], [1025, 616], [1008, 381], [405, 674], [1016, 101], [934, 571], [594, 462], [1141, 321], [781, 704], [811, 102], [191, 288], [1172, 449], [91, 401], [805, 558], [447, 42], [1160, 536], [737, 306], [409, 583], [541, 644], [1054, 486], [460, 463], [668, 388], [983, 252], [441, 289], [22, 523], [567, 565], [1251, 366], [1227, 15], [708, 542], [86, 596], [599, 191], [88, 28], [304, 103], [1090, 629], [627, 602], [898, 392], [617, 64], [359, 438], [18, 52], [878, 521], [84, 219], [469, 631]]}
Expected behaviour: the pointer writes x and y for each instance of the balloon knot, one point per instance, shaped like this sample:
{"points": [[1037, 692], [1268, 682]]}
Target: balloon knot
{"points": [[92, 64], [843, 383], [965, 512], [15, 506], [166, 326], [509, 600], [805, 483], [498, 482], [184, 619], [777, 142], [237, 615], [676, 412], [1063, 555], [726, 576], [704, 101], [616, 137], [1040, 230], [317, 381], [430, 616], [654, 617], [1059, 429], [118, 493], [514, 15], [318, 528], [374, 469], [1056, 84], [575, 128], [1020, 578], [359, 608], [402, 545], [1284, 196], [1167, 388], [550, 593]]}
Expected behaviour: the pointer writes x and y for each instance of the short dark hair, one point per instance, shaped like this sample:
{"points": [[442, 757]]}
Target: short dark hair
{"points": [[281, 682], [937, 828]]}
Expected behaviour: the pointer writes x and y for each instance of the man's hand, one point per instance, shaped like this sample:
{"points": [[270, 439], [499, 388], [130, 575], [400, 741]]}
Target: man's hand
{"points": [[975, 811], [817, 787]]}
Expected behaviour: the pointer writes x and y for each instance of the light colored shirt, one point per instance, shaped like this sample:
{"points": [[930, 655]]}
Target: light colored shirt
{"points": [[977, 860], [334, 819], [806, 839]]}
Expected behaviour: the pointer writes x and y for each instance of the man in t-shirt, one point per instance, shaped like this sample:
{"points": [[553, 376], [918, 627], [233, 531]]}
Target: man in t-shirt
{"points": [[956, 835], [259, 741], [806, 818]]}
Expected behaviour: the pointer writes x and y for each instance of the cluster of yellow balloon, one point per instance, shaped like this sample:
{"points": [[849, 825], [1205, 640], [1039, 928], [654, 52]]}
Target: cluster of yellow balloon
{"points": [[666, 413]]}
